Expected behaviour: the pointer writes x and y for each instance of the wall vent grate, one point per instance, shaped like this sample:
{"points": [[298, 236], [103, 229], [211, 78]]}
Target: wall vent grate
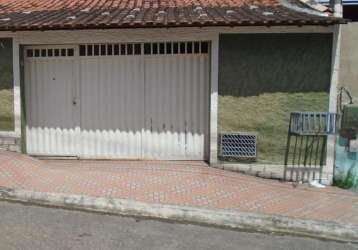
{"points": [[238, 145]]}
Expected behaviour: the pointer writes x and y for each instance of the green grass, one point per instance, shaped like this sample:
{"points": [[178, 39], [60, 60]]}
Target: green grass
{"points": [[347, 180], [268, 115], [6, 110]]}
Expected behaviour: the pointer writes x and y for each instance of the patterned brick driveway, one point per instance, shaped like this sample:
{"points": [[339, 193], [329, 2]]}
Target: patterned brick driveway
{"points": [[178, 183]]}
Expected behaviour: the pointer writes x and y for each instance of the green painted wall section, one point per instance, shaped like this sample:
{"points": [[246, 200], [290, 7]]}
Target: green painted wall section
{"points": [[263, 77], [262, 63], [5, 63], [6, 84]]}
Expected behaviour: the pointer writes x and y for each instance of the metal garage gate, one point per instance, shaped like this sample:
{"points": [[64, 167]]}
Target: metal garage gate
{"points": [[133, 100]]}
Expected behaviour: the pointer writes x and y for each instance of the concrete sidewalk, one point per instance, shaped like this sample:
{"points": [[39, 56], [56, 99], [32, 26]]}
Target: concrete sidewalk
{"points": [[186, 184]]}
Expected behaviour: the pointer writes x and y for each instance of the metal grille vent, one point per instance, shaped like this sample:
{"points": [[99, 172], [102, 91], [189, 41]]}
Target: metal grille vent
{"points": [[160, 48], [238, 145], [312, 123], [169, 48], [50, 52]]}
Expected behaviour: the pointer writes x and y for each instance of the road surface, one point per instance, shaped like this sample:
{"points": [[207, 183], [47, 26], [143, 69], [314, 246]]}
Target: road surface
{"points": [[32, 227]]}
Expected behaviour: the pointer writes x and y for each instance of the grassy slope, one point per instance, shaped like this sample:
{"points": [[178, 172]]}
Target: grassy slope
{"points": [[267, 114], [6, 110]]}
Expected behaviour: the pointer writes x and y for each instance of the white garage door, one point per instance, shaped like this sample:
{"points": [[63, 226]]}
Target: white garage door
{"points": [[137, 101], [51, 127]]}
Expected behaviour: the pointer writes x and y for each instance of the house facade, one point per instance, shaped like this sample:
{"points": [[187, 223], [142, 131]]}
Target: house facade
{"points": [[126, 80]]}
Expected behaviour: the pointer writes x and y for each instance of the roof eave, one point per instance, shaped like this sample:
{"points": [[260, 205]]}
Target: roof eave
{"points": [[266, 23]]}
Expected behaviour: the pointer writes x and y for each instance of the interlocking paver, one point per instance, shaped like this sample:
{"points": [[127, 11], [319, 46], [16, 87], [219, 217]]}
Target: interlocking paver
{"points": [[156, 196], [177, 183]]}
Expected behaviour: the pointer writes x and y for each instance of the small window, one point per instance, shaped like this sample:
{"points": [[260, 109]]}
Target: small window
{"points": [[204, 47], [130, 49], [103, 49], [89, 50], [82, 50], [116, 49], [182, 48], [29, 53], [70, 52], [96, 50], [169, 48], [189, 48], [37, 52], [123, 49], [50, 53], [57, 52], [63, 52], [147, 48], [196, 47], [43, 53], [109, 49], [137, 49], [175, 48], [155, 49], [161, 48]]}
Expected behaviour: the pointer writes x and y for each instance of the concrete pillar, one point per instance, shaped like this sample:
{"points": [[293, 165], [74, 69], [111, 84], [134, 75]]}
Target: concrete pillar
{"points": [[17, 90], [328, 170], [214, 100]]}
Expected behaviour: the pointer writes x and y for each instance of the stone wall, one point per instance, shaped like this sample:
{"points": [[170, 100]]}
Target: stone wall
{"points": [[10, 143]]}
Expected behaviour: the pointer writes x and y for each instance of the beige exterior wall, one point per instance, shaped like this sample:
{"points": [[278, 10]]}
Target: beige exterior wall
{"points": [[349, 58]]}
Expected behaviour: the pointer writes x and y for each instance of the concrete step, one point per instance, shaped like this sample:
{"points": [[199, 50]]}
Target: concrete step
{"points": [[10, 143]]}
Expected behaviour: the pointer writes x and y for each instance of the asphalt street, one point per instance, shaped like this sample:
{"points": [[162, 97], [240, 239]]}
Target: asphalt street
{"points": [[32, 227]]}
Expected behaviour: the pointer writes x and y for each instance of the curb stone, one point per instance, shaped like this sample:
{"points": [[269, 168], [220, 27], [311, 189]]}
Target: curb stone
{"points": [[217, 217]]}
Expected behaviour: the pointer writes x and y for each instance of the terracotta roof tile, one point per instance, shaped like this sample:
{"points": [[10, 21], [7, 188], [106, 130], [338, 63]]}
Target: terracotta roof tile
{"points": [[82, 14]]}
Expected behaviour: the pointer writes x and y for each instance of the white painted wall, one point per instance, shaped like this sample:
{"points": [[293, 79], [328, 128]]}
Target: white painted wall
{"points": [[214, 100], [143, 35]]}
